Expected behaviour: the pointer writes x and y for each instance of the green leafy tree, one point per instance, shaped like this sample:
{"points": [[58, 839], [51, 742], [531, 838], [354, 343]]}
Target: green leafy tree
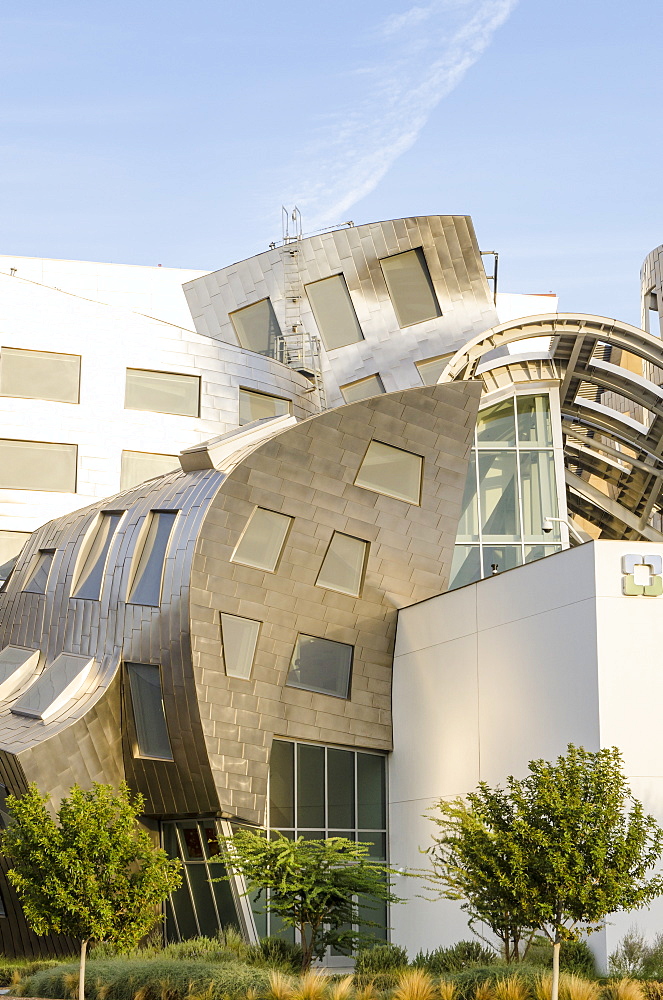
{"points": [[313, 885], [91, 873], [555, 852]]}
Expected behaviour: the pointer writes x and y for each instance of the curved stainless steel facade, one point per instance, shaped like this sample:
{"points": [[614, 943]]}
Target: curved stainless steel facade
{"points": [[281, 275], [221, 727]]}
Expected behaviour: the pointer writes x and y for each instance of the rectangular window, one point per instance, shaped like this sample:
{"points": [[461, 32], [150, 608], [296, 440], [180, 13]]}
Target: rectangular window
{"points": [[362, 389], [311, 787], [498, 496], [282, 785], [431, 370], [38, 465], [262, 540], [162, 392], [39, 570], [39, 375], [334, 312], [146, 587], [55, 687], [534, 425], [240, 638], [258, 405], [139, 466], [87, 582], [257, 328], [148, 710], [497, 425], [410, 287], [344, 564], [391, 471], [321, 665]]}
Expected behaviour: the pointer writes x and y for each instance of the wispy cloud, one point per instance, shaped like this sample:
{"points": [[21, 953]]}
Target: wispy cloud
{"points": [[424, 52]]}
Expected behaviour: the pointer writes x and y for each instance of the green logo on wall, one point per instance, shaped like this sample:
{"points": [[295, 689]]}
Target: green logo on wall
{"points": [[642, 576]]}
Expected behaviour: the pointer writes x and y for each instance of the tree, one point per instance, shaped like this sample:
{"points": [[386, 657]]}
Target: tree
{"points": [[555, 852], [312, 885], [92, 874]]}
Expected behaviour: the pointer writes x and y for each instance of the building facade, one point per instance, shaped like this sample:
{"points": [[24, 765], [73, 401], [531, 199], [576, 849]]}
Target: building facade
{"points": [[212, 535]]}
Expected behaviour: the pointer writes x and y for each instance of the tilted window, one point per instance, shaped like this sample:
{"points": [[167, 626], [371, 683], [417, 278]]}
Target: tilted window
{"points": [[148, 710], [321, 665], [239, 637], [39, 570], [334, 312], [392, 471], [410, 287], [38, 465], [17, 664], [431, 369], [39, 375], [55, 687], [257, 328], [146, 586], [262, 540], [139, 466], [258, 405], [362, 389], [93, 559], [162, 392], [344, 564]]}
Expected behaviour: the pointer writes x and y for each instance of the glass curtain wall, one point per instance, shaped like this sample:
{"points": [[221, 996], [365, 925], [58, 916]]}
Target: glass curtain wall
{"points": [[318, 792], [200, 905], [510, 489]]}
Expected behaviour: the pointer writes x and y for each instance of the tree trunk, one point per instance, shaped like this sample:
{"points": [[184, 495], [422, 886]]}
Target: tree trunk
{"points": [[555, 970], [81, 973]]}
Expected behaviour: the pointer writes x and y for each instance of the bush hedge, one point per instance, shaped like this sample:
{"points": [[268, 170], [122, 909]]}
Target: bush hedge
{"points": [[156, 979]]}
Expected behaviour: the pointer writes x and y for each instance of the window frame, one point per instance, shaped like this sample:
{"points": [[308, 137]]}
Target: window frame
{"points": [[362, 576], [366, 378], [265, 395], [317, 281], [48, 399], [137, 753], [312, 690], [35, 489], [262, 569], [159, 371], [421, 257], [384, 493], [137, 555]]}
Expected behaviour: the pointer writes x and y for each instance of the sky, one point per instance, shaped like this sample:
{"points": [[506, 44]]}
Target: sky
{"points": [[171, 133]]}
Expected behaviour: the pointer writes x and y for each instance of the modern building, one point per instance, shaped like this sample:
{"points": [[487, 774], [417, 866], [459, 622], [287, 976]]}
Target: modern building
{"points": [[301, 619]]}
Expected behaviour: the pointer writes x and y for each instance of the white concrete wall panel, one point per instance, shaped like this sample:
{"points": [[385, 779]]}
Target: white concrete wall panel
{"points": [[514, 668], [456, 270]]}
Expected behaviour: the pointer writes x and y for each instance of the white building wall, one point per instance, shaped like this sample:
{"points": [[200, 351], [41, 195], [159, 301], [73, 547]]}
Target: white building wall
{"points": [[154, 291], [109, 339], [510, 669]]}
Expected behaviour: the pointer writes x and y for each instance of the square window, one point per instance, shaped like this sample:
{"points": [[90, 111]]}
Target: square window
{"points": [[39, 375], [257, 328], [321, 665], [262, 540], [38, 465], [410, 287], [162, 392], [258, 405], [344, 564], [364, 388], [334, 312], [391, 471]]}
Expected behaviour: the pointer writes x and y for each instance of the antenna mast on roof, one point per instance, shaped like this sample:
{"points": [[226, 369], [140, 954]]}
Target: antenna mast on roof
{"points": [[299, 349]]}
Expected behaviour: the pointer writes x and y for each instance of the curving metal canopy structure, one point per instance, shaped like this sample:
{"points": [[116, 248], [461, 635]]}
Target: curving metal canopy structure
{"points": [[609, 376]]}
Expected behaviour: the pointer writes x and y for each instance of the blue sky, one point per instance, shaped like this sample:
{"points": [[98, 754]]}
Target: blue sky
{"points": [[171, 133]]}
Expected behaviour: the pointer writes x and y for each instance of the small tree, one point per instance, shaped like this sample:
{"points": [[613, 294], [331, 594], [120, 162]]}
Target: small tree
{"points": [[93, 874], [313, 885], [555, 852]]}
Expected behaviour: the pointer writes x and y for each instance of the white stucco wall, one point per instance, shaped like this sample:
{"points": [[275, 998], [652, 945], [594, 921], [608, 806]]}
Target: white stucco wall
{"points": [[513, 668]]}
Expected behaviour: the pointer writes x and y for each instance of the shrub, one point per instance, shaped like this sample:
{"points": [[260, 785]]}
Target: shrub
{"points": [[469, 980], [152, 979], [512, 988], [653, 990], [380, 958], [275, 952], [13, 969], [623, 989], [462, 955], [414, 984], [574, 956], [575, 987]]}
